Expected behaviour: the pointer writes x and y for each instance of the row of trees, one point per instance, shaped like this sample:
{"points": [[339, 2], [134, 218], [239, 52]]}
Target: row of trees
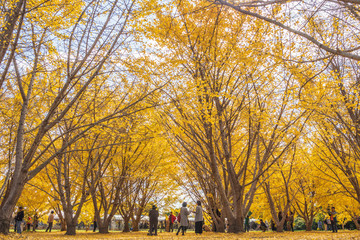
{"points": [[248, 105], [264, 116]]}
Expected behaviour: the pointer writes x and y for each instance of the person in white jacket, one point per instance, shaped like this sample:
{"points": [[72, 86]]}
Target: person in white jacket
{"points": [[199, 218], [184, 222]]}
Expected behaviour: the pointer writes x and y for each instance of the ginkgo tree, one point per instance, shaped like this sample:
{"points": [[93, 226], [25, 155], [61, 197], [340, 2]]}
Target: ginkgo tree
{"points": [[234, 110]]}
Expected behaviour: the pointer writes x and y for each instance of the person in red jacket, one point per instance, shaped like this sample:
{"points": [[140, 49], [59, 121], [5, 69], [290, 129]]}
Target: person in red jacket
{"points": [[172, 219]]}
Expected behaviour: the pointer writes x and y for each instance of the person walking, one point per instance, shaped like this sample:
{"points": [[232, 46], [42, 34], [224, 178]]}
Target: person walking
{"points": [[184, 223], [153, 217], [172, 219], [19, 219], [35, 222], [199, 218], [50, 221], [333, 219]]}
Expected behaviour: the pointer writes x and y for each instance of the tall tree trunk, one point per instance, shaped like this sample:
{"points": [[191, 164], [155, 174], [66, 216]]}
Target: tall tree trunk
{"points": [[280, 226], [135, 224], [236, 225], [8, 204], [71, 229], [104, 228], [308, 225], [219, 224], [63, 225], [126, 225]]}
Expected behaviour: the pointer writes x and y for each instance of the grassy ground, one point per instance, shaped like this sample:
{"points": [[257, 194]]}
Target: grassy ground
{"points": [[316, 235]]}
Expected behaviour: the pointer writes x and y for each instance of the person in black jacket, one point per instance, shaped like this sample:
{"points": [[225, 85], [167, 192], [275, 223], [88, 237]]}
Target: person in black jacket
{"points": [[19, 219], [153, 216]]}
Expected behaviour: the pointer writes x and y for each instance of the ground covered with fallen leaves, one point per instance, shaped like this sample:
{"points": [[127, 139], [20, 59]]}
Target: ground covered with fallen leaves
{"points": [[316, 235]]}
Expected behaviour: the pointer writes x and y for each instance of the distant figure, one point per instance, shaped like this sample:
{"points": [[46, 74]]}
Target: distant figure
{"points": [[50, 221], [247, 222], [199, 219], [286, 223], [280, 217], [328, 224], [19, 219], [333, 219], [320, 225], [95, 225], [28, 224], [35, 222], [263, 226], [184, 223], [172, 219], [153, 216], [273, 227], [291, 222]]}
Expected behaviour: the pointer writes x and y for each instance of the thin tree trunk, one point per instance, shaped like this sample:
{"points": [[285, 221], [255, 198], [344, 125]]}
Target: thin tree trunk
{"points": [[355, 220]]}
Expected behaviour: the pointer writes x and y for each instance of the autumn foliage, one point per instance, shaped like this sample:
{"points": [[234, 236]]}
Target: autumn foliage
{"points": [[107, 107]]}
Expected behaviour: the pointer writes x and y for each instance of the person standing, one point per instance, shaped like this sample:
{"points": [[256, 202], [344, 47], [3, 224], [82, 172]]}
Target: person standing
{"points": [[280, 216], [199, 219], [28, 224], [172, 219], [50, 221], [320, 225], [35, 222], [184, 223], [247, 222], [291, 222], [333, 219], [95, 225], [19, 219], [153, 216]]}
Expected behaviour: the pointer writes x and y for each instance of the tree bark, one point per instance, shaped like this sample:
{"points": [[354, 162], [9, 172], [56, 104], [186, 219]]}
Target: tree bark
{"points": [[126, 225], [236, 225], [355, 220], [135, 225], [280, 227], [71, 229], [4, 225], [104, 229], [308, 225]]}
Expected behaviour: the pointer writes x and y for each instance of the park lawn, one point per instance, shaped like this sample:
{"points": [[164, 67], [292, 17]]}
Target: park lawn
{"points": [[342, 235]]}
